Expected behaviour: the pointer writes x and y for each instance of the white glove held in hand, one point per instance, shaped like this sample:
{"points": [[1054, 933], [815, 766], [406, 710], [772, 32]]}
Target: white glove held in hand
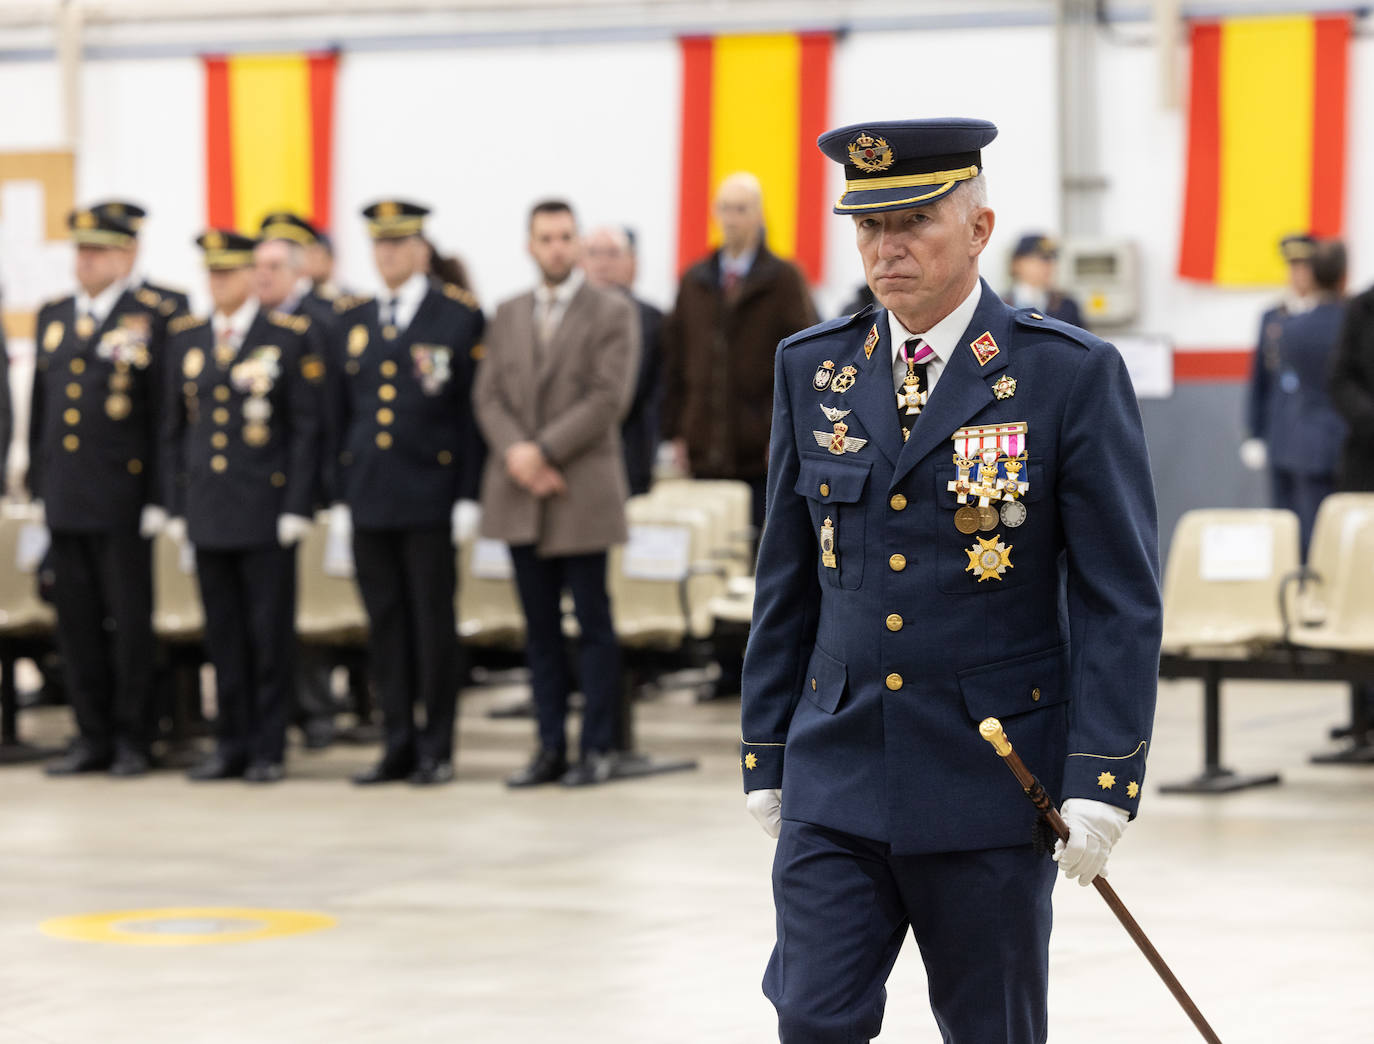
{"points": [[151, 521], [176, 529], [1254, 454], [466, 521], [766, 807], [1094, 827], [290, 529]]}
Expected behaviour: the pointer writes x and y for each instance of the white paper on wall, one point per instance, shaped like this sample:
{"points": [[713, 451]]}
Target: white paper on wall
{"points": [[1237, 551]]}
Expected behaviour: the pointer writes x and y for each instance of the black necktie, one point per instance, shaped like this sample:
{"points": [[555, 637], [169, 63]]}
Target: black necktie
{"points": [[917, 355], [392, 308]]}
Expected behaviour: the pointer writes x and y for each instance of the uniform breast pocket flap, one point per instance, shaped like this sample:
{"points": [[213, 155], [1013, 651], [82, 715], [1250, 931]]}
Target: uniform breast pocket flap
{"points": [[1016, 686], [825, 680], [832, 481]]}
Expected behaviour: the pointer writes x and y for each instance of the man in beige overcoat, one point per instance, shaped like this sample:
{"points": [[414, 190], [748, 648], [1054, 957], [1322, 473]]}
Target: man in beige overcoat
{"points": [[557, 379]]}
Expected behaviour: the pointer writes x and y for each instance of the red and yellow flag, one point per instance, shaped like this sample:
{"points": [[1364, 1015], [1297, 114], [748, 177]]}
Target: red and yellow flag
{"points": [[269, 133], [756, 103], [1266, 143]]}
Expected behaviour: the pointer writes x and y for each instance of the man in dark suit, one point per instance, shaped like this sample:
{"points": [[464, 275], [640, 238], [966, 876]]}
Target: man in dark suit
{"points": [[169, 303], [1032, 280], [960, 525], [560, 370], [408, 451], [1352, 391], [93, 463], [611, 263], [240, 441]]}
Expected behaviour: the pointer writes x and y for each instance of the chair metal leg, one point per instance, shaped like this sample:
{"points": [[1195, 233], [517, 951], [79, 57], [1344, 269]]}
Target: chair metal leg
{"points": [[1215, 779], [1360, 749], [12, 750]]}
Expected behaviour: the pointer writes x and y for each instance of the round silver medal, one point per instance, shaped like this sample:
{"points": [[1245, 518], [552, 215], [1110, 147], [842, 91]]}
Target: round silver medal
{"points": [[1013, 513], [257, 409]]}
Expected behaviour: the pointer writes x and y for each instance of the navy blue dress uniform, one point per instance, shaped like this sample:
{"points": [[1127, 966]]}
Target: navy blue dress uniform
{"points": [[408, 451], [93, 463], [241, 440], [1057, 304], [894, 612], [170, 303], [1305, 432]]}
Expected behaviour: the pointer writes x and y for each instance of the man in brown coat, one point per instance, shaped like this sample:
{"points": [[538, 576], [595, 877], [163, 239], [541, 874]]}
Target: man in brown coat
{"points": [[558, 376], [733, 307]]}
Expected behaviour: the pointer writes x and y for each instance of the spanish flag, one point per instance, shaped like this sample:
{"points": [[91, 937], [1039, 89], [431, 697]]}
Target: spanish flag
{"points": [[269, 133], [756, 103], [1266, 143]]}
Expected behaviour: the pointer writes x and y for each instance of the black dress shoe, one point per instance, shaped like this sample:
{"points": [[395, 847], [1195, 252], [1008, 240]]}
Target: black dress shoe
{"points": [[265, 772], [129, 763], [432, 773], [79, 759], [319, 733], [547, 766], [382, 772], [216, 766], [595, 767]]}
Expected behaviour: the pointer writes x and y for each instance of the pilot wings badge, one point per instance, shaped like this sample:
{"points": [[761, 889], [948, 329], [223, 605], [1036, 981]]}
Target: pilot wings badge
{"points": [[838, 442], [834, 413]]}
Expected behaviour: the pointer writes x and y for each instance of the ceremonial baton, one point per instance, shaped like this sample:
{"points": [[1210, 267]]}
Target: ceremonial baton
{"points": [[991, 730]]}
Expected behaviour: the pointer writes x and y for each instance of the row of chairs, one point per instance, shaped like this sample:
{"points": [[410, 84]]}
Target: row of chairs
{"points": [[1240, 603]]}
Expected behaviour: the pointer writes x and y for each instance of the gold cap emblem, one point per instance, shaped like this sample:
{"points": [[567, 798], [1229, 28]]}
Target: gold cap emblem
{"points": [[85, 220], [871, 154], [388, 209], [214, 240]]}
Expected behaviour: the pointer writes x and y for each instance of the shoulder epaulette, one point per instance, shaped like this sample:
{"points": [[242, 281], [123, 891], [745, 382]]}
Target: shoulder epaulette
{"points": [[295, 323], [54, 302], [167, 307], [829, 326], [348, 302], [144, 296], [457, 293], [186, 322], [1039, 321]]}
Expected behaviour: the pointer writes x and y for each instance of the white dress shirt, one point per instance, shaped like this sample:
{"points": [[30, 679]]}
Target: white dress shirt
{"points": [[408, 297], [100, 306], [232, 329], [943, 339], [551, 302]]}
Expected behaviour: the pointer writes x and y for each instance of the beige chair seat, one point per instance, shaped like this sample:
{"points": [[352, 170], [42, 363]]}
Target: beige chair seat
{"points": [[487, 604], [22, 612], [329, 610], [1339, 599], [178, 614]]}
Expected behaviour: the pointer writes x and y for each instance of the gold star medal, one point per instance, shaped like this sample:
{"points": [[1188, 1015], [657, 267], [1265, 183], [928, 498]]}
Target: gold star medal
{"points": [[1106, 780], [844, 380], [988, 559], [751, 761], [1005, 387]]}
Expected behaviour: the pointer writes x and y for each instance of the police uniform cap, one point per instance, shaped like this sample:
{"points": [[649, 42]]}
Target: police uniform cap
{"points": [[130, 214], [394, 218], [896, 164], [99, 229], [1297, 247], [225, 249], [282, 224], [1035, 244]]}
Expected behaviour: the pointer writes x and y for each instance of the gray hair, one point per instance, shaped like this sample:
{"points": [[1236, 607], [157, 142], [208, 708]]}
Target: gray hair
{"points": [[973, 193]]}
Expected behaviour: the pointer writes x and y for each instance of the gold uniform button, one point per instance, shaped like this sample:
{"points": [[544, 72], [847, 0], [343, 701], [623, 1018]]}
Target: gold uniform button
{"points": [[825, 489], [351, 367], [894, 622], [73, 390], [72, 416], [221, 393], [813, 684], [387, 392], [388, 368], [384, 440], [1035, 695], [190, 388], [135, 467], [897, 563], [445, 458], [78, 366], [219, 440], [385, 416], [898, 502], [219, 462], [70, 443], [278, 479], [894, 682], [221, 415]]}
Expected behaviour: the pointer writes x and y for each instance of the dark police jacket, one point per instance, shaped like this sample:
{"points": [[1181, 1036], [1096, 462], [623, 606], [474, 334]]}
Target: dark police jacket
{"points": [[864, 683], [93, 417], [1305, 432], [1352, 390], [401, 409], [1264, 372], [241, 434]]}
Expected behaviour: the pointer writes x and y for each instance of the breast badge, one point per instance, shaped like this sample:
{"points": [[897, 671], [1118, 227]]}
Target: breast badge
{"points": [[1005, 387], [52, 336], [871, 342], [834, 413], [844, 380], [984, 349], [824, 372], [192, 363], [988, 559], [357, 340], [839, 441], [989, 461], [828, 558]]}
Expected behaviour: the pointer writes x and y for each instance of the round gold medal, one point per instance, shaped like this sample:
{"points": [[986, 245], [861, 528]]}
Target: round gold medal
{"points": [[255, 434], [987, 518], [117, 406], [967, 519]]}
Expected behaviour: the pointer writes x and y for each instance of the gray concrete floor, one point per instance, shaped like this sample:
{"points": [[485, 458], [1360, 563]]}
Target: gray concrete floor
{"points": [[642, 911]]}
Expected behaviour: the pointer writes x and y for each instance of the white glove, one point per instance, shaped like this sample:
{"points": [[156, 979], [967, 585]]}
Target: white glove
{"points": [[766, 807], [1094, 827], [467, 517], [176, 529], [151, 521], [341, 521], [290, 529], [40, 514], [1254, 454]]}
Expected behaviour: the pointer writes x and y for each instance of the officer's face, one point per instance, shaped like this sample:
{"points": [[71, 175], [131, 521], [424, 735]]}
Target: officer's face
{"points": [[399, 259], [607, 260], [319, 263], [1033, 270], [922, 262], [739, 210], [554, 245], [276, 268], [230, 288], [1300, 278], [97, 267]]}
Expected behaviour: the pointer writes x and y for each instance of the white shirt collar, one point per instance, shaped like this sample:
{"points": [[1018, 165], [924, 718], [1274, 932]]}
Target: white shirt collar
{"points": [[563, 293], [236, 326], [409, 296], [944, 336], [100, 306], [739, 265]]}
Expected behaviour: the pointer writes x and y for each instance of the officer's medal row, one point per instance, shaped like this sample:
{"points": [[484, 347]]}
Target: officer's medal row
{"points": [[124, 347], [255, 375], [990, 460]]}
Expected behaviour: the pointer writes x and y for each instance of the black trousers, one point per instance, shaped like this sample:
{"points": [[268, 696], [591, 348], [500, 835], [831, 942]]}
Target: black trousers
{"points": [[104, 600], [541, 582], [250, 633], [407, 578]]}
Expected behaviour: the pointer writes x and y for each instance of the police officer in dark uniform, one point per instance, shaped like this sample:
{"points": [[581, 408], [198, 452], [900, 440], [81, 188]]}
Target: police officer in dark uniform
{"points": [[1264, 373], [961, 524], [1032, 280], [408, 451], [241, 444], [171, 303], [92, 462]]}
